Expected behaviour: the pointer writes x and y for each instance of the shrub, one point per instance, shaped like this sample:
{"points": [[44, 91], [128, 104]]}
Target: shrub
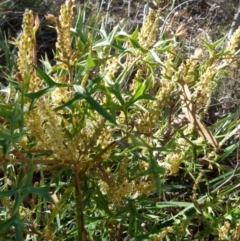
{"points": [[108, 141]]}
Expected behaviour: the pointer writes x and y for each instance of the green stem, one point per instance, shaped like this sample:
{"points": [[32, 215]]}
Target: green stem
{"points": [[79, 205]]}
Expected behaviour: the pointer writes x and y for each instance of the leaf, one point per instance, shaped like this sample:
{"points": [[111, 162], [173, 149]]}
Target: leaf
{"points": [[6, 135], [136, 45], [36, 95], [93, 83], [7, 224], [70, 103], [44, 76], [19, 227], [134, 35], [43, 192], [154, 169], [66, 195], [155, 57], [134, 41], [115, 89], [8, 193], [172, 204], [212, 46], [90, 62], [117, 47], [82, 92], [189, 110], [100, 109], [140, 94], [6, 110], [227, 152], [79, 27]]}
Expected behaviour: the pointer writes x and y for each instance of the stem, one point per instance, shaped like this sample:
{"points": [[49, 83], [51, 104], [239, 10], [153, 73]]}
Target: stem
{"points": [[79, 205]]}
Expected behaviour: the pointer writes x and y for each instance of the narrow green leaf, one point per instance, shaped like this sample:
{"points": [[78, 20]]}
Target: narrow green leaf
{"points": [[153, 169], [79, 27], [6, 135], [7, 224], [158, 183], [46, 78], [90, 62], [134, 35], [172, 204], [8, 193], [67, 193], [227, 152], [38, 94], [6, 110], [19, 227], [43, 192], [93, 83], [115, 89], [100, 109], [117, 47], [70, 103], [136, 45]]}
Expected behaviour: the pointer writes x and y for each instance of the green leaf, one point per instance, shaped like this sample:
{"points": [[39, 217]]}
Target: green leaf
{"points": [[155, 57], [8, 193], [134, 35], [23, 180], [8, 223], [70, 103], [134, 41], [140, 94], [93, 83], [117, 47], [115, 89], [97, 107], [100, 109], [102, 204], [154, 169], [19, 227], [16, 85], [136, 45], [90, 62], [79, 27], [6, 135], [172, 204], [227, 152], [66, 195], [6, 110], [46, 78], [213, 46], [43, 192], [36, 95], [163, 45]]}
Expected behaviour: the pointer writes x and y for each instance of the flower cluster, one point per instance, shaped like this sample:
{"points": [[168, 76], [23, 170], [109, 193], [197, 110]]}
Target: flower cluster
{"points": [[64, 23], [224, 231], [27, 52], [150, 29]]}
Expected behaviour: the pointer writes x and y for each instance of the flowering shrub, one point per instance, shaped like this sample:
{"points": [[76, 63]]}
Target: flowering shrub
{"points": [[114, 129]]}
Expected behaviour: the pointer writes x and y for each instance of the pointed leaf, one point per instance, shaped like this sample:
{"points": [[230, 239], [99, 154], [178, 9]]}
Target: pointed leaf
{"points": [[43, 192], [67, 193], [7, 224], [46, 78], [100, 109]]}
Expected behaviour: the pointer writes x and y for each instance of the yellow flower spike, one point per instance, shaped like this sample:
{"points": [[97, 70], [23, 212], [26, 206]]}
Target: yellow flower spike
{"points": [[27, 54]]}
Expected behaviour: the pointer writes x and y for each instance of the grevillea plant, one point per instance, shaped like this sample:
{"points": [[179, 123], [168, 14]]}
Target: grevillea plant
{"points": [[108, 141]]}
